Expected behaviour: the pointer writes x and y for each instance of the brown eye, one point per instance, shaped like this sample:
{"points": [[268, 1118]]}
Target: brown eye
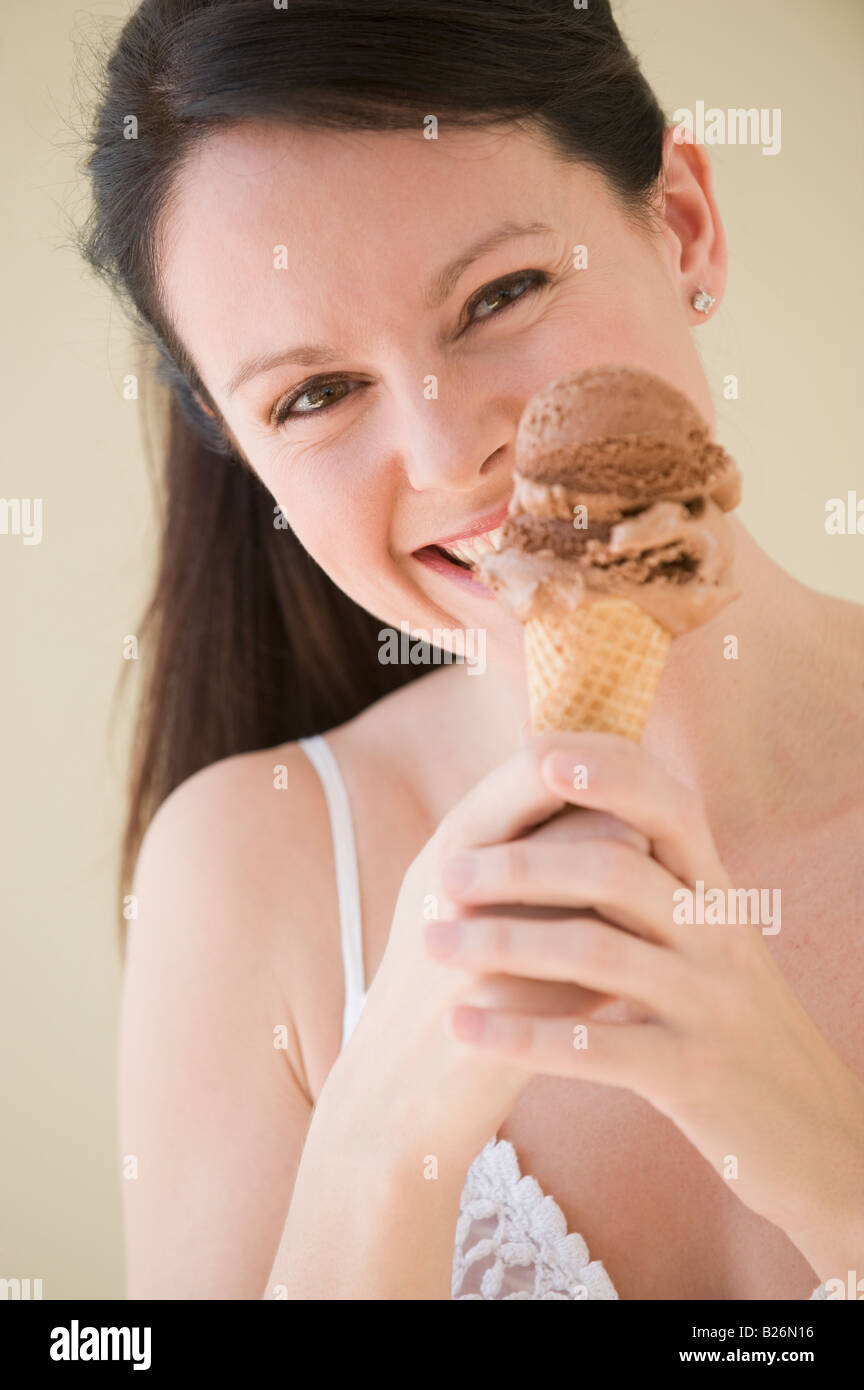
{"points": [[322, 395], [505, 292], [318, 394]]}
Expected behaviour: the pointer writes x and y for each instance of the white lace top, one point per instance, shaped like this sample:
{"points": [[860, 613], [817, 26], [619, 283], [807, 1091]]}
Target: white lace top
{"points": [[511, 1240]]}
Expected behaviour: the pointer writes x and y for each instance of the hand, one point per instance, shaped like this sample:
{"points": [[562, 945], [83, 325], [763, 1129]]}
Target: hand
{"points": [[405, 1073], [716, 1038]]}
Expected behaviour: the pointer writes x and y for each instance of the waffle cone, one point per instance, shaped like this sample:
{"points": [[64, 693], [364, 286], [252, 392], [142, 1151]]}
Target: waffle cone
{"points": [[594, 667]]}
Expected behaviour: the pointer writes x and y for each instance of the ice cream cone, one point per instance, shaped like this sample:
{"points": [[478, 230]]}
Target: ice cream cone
{"points": [[594, 667], [615, 543]]}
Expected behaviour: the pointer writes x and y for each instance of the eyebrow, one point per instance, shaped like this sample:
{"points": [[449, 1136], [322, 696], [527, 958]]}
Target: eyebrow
{"points": [[436, 293]]}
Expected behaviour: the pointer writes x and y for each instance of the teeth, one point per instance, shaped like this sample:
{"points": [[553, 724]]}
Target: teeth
{"points": [[470, 550]]}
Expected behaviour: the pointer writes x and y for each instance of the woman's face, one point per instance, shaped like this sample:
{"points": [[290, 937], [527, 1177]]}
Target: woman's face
{"points": [[371, 312]]}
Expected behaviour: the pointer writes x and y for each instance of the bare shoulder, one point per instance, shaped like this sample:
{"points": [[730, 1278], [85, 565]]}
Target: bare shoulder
{"points": [[235, 881], [231, 1005], [235, 818]]}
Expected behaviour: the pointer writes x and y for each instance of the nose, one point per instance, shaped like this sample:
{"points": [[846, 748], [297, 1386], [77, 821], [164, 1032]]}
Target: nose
{"points": [[451, 445]]}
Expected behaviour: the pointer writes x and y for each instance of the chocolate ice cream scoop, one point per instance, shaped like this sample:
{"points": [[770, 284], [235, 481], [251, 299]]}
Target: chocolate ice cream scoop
{"points": [[618, 492]]}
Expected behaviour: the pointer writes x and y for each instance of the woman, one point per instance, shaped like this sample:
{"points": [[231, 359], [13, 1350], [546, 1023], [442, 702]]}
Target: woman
{"points": [[350, 230]]}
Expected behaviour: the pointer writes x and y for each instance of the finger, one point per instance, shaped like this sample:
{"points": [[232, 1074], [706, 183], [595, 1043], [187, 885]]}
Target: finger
{"points": [[511, 799], [615, 774], [576, 823], [600, 771], [547, 998], [615, 1054], [577, 950], [625, 886]]}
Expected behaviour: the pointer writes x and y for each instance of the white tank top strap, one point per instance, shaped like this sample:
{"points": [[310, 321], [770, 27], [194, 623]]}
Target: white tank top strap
{"points": [[319, 753]]}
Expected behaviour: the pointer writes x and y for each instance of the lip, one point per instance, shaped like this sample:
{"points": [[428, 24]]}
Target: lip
{"points": [[475, 528], [457, 574], [463, 577]]}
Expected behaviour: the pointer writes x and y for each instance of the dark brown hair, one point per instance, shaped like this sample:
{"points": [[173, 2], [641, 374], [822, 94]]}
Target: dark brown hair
{"points": [[246, 642]]}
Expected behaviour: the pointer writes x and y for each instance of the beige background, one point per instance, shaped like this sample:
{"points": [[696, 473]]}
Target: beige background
{"points": [[789, 329]]}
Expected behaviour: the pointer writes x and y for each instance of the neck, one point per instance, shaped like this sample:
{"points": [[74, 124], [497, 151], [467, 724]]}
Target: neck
{"points": [[724, 720]]}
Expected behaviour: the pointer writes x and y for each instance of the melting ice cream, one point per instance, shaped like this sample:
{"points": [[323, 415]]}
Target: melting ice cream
{"points": [[618, 492]]}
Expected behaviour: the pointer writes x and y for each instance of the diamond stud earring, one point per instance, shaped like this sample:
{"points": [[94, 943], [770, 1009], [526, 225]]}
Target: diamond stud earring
{"points": [[703, 301]]}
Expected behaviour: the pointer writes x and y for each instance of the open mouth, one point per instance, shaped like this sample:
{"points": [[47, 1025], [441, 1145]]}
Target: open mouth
{"points": [[467, 552]]}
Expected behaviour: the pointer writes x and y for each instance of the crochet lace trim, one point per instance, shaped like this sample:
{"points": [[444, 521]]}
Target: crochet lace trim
{"points": [[512, 1240]]}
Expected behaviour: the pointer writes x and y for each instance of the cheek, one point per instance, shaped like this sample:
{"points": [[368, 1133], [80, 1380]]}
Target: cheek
{"points": [[629, 310], [339, 512], [339, 497], [624, 302]]}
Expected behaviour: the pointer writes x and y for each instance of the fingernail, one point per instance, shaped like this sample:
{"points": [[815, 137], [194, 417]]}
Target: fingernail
{"points": [[459, 873], [442, 938]]}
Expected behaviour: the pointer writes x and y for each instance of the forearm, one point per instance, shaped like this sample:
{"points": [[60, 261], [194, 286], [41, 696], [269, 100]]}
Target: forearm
{"points": [[830, 1229], [373, 1214]]}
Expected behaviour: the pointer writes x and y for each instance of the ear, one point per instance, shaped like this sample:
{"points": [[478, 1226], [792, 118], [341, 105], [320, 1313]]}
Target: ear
{"points": [[696, 236]]}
